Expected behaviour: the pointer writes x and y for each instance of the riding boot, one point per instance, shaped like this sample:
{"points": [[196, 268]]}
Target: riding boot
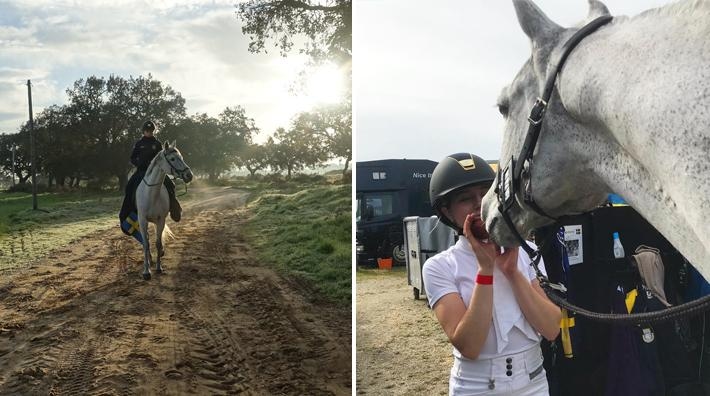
{"points": [[175, 209]]}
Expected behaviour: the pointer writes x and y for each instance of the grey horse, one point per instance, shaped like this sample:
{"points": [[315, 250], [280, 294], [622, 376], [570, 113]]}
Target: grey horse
{"points": [[630, 114], [153, 203]]}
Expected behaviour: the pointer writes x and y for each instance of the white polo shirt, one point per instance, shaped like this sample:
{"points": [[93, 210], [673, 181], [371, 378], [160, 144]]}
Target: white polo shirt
{"points": [[454, 271]]}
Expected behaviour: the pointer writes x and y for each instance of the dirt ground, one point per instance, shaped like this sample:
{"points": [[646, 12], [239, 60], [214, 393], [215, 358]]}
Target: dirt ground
{"points": [[401, 350], [82, 320]]}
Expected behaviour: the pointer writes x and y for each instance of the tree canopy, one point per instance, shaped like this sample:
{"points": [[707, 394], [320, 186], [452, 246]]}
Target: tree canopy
{"points": [[326, 26], [91, 136]]}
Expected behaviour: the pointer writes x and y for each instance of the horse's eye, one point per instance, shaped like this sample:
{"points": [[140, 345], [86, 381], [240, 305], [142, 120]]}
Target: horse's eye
{"points": [[172, 159], [503, 109]]}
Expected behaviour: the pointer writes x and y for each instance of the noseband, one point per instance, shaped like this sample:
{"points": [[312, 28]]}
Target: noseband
{"points": [[515, 178]]}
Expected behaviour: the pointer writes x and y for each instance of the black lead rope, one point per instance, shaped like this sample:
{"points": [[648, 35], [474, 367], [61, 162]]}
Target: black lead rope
{"points": [[691, 308]]}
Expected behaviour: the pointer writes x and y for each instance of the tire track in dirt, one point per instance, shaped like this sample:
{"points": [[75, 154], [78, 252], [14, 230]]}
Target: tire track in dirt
{"points": [[82, 321]]}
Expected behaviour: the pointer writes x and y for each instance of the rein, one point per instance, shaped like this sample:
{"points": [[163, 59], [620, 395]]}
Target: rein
{"points": [[516, 176]]}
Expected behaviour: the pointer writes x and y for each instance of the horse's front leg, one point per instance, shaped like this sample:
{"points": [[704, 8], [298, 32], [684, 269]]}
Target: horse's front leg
{"points": [[146, 248], [159, 244]]}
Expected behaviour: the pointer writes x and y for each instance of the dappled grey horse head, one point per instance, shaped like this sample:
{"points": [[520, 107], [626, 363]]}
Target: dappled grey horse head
{"points": [[630, 114], [173, 163], [554, 176]]}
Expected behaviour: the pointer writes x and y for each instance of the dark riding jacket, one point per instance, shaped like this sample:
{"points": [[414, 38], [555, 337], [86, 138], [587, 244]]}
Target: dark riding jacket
{"points": [[144, 151]]}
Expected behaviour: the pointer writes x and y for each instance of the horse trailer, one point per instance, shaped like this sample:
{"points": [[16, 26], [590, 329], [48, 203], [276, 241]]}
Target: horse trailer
{"points": [[387, 191], [424, 237]]}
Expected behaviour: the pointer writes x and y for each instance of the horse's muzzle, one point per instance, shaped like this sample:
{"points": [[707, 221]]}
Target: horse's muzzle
{"points": [[187, 176]]}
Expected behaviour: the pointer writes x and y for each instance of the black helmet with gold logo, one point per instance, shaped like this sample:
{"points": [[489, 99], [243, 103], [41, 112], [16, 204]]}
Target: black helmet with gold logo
{"points": [[453, 173], [149, 126]]}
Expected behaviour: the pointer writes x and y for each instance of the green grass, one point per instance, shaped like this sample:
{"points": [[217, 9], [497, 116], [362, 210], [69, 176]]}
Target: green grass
{"points": [[26, 234], [305, 229], [16, 212]]}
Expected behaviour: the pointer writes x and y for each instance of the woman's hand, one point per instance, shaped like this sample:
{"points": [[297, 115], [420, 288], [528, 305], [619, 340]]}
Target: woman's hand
{"points": [[488, 253], [508, 261]]}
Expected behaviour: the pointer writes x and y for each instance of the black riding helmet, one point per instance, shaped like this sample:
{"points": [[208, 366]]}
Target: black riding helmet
{"points": [[149, 126], [453, 173]]}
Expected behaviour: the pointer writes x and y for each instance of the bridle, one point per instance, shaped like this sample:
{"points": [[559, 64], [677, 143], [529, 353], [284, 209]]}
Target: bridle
{"points": [[514, 179], [180, 172], [173, 170]]}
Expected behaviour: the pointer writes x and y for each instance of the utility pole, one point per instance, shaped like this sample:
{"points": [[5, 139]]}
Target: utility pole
{"points": [[32, 148], [13, 164]]}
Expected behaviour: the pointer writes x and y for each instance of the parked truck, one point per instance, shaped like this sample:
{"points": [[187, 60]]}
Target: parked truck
{"points": [[387, 191]]}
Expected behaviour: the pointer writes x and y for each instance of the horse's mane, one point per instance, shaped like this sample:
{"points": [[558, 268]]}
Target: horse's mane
{"points": [[671, 10], [675, 9], [152, 162]]}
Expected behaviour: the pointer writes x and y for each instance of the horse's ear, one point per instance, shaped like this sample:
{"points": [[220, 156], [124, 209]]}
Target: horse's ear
{"points": [[597, 9], [166, 146], [174, 143], [534, 22]]}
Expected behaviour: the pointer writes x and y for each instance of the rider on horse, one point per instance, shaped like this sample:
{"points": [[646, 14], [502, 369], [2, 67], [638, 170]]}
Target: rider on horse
{"points": [[143, 153]]}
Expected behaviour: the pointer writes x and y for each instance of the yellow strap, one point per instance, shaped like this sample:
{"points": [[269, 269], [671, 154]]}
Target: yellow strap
{"points": [[630, 300], [564, 333], [566, 322]]}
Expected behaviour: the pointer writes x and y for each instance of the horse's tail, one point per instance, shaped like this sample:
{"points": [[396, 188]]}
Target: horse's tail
{"points": [[167, 232]]}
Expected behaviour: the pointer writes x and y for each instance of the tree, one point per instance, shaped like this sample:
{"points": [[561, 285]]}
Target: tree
{"points": [[213, 145], [23, 166], [63, 154], [253, 158], [294, 150], [327, 28], [332, 126], [106, 113], [327, 25]]}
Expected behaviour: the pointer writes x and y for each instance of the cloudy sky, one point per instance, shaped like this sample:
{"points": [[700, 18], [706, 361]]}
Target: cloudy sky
{"points": [[427, 74], [194, 46]]}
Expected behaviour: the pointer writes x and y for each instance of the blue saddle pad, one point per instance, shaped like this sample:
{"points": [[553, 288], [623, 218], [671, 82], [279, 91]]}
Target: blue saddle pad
{"points": [[129, 225]]}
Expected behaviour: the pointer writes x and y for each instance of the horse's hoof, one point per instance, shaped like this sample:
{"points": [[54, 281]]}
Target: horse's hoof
{"points": [[160, 271], [146, 276]]}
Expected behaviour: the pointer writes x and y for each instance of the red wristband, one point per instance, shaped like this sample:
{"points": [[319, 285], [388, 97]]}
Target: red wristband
{"points": [[484, 279]]}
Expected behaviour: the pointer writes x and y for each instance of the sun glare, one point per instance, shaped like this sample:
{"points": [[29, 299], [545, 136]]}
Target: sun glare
{"points": [[324, 85], [321, 85]]}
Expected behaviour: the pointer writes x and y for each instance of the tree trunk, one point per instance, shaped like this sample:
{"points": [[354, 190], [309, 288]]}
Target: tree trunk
{"points": [[345, 170]]}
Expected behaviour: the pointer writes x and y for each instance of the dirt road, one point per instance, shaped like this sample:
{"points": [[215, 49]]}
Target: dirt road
{"points": [[401, 350], [82, 320]]}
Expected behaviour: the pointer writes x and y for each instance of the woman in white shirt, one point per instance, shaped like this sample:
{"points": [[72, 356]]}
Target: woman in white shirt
{"points": [[488, 302]]}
